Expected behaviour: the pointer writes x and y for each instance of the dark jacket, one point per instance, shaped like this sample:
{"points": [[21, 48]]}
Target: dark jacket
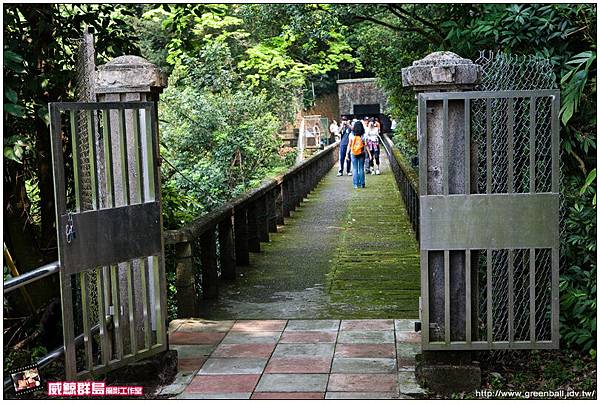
{"points": [[345, 136]]}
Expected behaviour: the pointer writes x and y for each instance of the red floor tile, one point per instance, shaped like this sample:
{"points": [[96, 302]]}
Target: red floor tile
{"points": [[387, 350], [190, 364], [259, 325], [308, 337], [362, 383], [288, 395], [222, 383], [196, 338], [368, 324], [244, 350], [298, 365]]}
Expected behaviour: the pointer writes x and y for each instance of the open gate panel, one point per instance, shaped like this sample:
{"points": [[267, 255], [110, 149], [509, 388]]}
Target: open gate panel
{"points": [[489, 216], [109, 233]]}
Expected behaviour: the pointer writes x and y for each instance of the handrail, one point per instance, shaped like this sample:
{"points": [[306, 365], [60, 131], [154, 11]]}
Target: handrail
{"points": [[28, 278], [405, 180], [199, 225], [31, 276]]}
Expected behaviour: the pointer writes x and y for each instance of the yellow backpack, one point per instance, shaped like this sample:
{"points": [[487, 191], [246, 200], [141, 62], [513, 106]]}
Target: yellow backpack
{"points": [[357, 145]]}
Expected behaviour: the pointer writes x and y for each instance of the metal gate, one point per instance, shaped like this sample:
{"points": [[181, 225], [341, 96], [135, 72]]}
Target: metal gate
{"points": [[491, 226], [111, 254]]}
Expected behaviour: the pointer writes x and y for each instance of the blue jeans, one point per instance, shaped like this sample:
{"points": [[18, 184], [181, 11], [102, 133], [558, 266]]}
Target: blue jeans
{"points": [[343, 149], [358, 169]]}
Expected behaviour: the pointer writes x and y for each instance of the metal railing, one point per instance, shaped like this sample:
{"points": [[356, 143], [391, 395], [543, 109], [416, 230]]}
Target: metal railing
{"points": [[31, 276], [27, 278], [224, 238], [407, 181]]}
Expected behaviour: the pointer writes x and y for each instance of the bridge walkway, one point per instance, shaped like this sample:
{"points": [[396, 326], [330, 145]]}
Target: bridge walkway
{"points": [[344, 254]]}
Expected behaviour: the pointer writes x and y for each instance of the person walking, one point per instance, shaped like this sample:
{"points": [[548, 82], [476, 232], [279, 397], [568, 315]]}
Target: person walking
{"points": [[356, 154], [372, 143], [345, 133], [334, 131], [365, 122]]}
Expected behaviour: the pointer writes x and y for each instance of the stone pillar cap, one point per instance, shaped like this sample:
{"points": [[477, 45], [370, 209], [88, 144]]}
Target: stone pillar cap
{"points": [[129, 74], [441, 71]]}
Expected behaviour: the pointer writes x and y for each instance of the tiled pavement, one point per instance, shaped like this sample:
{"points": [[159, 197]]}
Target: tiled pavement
{"points": [[294, 359]]}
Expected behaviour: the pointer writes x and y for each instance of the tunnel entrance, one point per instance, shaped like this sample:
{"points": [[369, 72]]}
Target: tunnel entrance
{"points": [[361, 111]]}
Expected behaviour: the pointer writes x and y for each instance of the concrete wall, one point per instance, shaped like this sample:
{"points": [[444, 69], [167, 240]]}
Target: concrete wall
{"points": [[360, 91], [326, 105]]}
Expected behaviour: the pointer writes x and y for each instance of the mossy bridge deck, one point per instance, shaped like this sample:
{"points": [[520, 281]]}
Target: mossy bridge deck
{"points": [[343, 253]]}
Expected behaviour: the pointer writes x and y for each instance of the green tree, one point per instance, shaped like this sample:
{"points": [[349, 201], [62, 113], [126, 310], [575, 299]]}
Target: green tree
{"points": [[40, 43]]}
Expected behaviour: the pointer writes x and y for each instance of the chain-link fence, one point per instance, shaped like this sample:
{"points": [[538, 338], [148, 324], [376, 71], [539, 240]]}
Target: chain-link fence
{"points": [[84, 91], [510, 121]]}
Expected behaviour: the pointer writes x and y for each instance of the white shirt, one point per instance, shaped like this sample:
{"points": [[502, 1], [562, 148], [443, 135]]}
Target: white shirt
{"points": [[334, 129]]}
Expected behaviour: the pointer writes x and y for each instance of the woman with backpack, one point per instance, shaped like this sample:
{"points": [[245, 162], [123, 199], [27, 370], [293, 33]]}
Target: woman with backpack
{"points": [[356, 153]]}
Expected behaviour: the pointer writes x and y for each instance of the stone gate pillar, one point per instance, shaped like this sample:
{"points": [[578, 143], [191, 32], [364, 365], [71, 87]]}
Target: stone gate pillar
{"points": [[127, 79], [443, 72]]}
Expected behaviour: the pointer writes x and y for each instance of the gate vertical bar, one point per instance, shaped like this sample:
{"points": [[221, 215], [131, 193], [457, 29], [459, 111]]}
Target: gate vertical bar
{"points": [[131, 307], [468, 329], [87, 336], [488, 145], [510, 144], [490, 294], [445, 151], [532, 297], [102, 319], [467, 146], [76, 159], [511, 295], [422, 145], [447, 296], [422, 116], [556, 250], [114, 281], [145, 310], [532, 130], [65, 279]]}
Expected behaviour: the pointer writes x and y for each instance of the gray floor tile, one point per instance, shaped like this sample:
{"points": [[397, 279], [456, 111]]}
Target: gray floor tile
{"points": [[292, 383], [304, 349], [363, 366], [233, 366]]}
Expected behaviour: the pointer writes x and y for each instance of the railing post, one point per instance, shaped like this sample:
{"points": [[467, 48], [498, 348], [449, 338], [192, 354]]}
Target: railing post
{"points": [[262, 213], [242, 257], [272, 209], [208, 257], [279, 210], [302, 186], [185, 281], [226, 249], [286, 200], [252, 219], [293, 191]]}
